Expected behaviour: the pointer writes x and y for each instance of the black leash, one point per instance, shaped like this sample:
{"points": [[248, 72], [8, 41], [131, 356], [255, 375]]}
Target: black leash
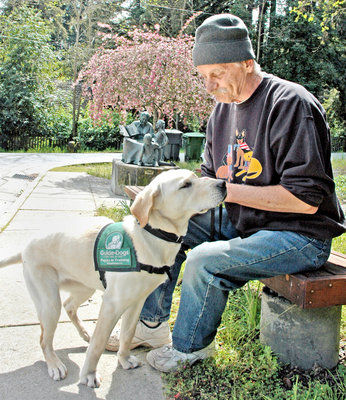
{"points": [[212, 223], [220, 220]]}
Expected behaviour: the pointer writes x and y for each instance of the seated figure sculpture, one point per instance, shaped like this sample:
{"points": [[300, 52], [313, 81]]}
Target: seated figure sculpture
{"points": [[138, 129], [149, 155], [133, 138], [161, 138]]}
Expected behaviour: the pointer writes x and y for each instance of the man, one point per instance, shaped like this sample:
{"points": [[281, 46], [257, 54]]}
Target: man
{"points": [[269, 140]]}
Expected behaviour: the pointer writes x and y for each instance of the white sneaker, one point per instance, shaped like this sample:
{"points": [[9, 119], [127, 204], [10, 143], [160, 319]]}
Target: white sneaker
{"points": [[144, 336], [167, 358]]}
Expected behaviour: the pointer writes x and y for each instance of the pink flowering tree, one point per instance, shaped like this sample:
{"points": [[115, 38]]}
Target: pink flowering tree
{"points": [[148, 71]]}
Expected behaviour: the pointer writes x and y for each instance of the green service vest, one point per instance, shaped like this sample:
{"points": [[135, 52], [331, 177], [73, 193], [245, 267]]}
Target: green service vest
{"points": [[113, 250]]}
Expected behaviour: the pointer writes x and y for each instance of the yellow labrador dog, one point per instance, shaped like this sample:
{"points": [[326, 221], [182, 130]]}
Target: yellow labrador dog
{"points": [[64, 260]]}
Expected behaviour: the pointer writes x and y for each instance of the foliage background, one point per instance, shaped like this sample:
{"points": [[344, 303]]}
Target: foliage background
{"points": [[44, 44]]}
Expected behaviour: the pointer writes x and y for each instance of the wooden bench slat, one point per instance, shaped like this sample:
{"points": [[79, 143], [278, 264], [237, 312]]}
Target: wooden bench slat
{"points": [[334, 269], [313, 294], [288, 286], [132, 191], [320, 273], [329, 278], [337, 258], [325, 293], [322, 288]]}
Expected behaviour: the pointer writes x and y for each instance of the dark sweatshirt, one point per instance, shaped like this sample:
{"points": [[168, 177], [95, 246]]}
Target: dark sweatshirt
{"points": [[279, 136]]}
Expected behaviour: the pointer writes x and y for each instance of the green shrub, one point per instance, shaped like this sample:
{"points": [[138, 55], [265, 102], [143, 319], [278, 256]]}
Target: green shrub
{"points": [[332, 105], [59, 122], [101, 135], [27, 70]]}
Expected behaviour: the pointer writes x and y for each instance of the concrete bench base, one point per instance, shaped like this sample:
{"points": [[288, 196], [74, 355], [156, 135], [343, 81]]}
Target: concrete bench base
{"points": [[301, 337]]}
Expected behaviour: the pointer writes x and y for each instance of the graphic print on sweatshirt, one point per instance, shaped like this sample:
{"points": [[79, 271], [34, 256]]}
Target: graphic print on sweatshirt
{"points": [[238, 163]]}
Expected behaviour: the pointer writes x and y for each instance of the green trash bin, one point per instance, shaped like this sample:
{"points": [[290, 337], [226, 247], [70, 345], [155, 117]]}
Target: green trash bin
{"points": [[194, 142]]}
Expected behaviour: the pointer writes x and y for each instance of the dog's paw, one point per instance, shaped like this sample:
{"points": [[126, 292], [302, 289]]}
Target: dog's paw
{"points": [[85, 336], [91, 380], [57, 371], [129, 362]]}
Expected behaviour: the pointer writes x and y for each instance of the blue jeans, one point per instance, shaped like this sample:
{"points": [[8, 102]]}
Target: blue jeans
{"points": [[215, 268]]}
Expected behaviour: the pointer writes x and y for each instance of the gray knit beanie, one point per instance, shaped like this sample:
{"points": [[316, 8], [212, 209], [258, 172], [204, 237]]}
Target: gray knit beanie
{"points": [[220, 39]]}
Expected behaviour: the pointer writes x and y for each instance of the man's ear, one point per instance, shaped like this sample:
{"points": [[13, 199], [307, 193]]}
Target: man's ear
{"points": [[249, 65], [143, 204]]}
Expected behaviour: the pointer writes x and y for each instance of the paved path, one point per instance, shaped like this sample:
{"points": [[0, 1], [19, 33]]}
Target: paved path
{"points": [[57, 197], [20, 172]]}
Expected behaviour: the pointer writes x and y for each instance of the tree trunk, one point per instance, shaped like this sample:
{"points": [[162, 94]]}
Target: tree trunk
{"points": [[272, 16], [260, 29], [155, 117], [76, 99]]}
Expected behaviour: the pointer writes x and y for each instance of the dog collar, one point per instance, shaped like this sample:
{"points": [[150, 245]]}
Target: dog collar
{"points": [[167, 236]]}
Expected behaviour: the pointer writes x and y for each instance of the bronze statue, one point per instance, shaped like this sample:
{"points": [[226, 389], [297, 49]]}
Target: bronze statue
{"points": [[141, 146], [161, 138], [139, 128], [133, 138], [149, 155]]}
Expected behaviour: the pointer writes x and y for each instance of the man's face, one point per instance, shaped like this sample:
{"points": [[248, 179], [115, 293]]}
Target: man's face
{"points": [[226, 82], [143, 119]]}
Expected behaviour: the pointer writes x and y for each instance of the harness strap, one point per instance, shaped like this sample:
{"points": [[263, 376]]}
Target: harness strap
{"points": [[155, 270], [103, 278], [144, 267]]}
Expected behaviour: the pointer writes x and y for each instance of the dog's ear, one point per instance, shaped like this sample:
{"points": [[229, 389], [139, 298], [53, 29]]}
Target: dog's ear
{"points": [[143, 204]]}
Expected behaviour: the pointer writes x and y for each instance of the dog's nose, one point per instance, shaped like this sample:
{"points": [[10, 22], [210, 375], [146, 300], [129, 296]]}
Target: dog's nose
{"points": [[222, 185]]}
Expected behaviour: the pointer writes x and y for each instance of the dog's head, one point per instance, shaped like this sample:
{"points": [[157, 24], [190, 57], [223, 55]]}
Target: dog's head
{"points": [[174, 196]]}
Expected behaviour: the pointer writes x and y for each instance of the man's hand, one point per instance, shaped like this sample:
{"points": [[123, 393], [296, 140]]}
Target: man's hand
{"points": [[269, 198]]}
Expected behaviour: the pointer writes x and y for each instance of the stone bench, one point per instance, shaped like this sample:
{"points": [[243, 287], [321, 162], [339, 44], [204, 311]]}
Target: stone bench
{"points": [[301, 313]]}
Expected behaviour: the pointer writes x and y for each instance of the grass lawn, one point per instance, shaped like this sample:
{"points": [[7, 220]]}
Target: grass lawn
{"points": [[102, 170], [57, 149]]}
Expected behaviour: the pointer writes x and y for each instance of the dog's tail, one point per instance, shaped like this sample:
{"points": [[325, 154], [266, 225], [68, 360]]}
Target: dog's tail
{"points": [[11, 260]]}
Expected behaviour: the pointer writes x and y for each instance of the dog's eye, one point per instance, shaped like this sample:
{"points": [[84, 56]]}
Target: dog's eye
{"points": [[185, 185]]}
